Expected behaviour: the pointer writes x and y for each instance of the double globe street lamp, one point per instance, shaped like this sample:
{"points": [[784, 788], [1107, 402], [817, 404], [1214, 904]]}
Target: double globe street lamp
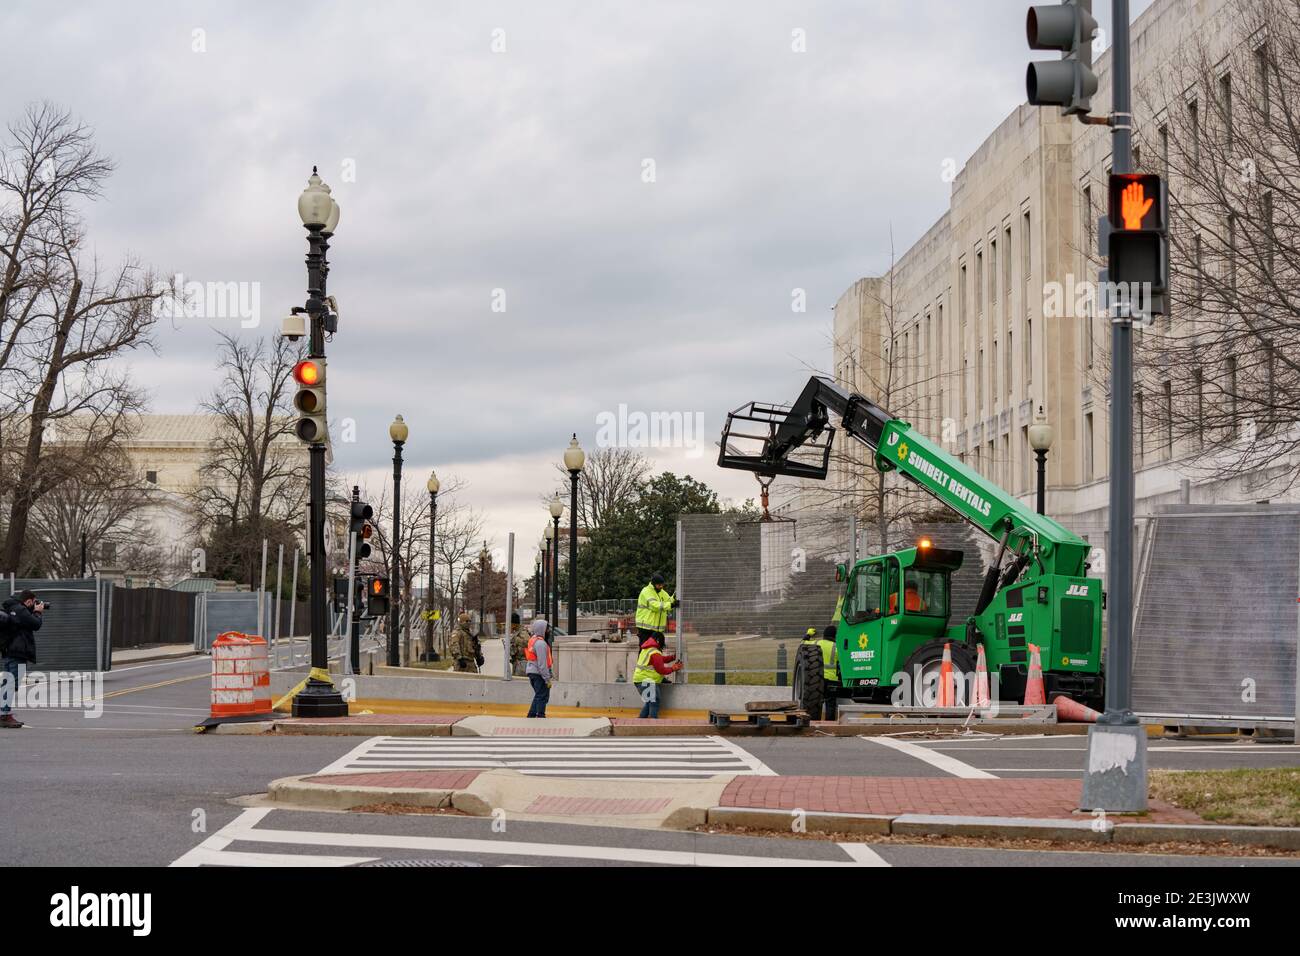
{"points": [[556, 508], [433, 485], [319, 213], [398, 432]]}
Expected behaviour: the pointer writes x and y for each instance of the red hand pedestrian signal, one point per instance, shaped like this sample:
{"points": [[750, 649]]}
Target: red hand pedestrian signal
{"points": [[1134, 205]]}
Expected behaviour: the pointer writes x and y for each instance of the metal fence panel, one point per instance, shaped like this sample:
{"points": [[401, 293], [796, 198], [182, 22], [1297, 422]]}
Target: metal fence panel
{"points": [[1216, 623], [221, 611], [74, 632]]}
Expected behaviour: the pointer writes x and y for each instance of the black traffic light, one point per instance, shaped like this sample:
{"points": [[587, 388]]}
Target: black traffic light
{"points": [[309, 401], [359, 525], [1068, 83], [377, 597], [1138, 244]]}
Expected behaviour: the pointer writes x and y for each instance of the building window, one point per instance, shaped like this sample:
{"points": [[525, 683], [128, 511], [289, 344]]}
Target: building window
{"points": [[1008, 364], [942, 333], [1225, 102], [1029, 351], [1087, 447], [108, 552], [1194, 129], [979, 385], [1267, 202], [151, 477], [1198, 281], [965, 373], [1167, 412], [1089, 238], [1025, 234], [979, 284], [993, 279], [1198, 386], [1025, 456], [962, 301], [1231, 377], [1089, 335], [1006, 267], [993, 375], [1261, 79], [1140, 415], [1164, 150]]}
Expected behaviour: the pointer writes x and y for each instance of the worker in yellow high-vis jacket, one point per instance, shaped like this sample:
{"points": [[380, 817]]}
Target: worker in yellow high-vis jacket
{"points": [[652, 609]]}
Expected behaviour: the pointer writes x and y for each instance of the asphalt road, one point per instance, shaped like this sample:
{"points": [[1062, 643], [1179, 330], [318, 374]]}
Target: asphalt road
{"points": [[136, 786]]}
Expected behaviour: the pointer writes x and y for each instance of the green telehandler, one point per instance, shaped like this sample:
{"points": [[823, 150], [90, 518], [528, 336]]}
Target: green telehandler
{"points": [[893, 618]]}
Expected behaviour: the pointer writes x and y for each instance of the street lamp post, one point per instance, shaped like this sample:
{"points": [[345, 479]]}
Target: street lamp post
{"points": [[548, 574], [556, 508], [433, 485], [574, 459], [537, 586], [320, 216], [398, 432], [482, 587], [1041, 434]]}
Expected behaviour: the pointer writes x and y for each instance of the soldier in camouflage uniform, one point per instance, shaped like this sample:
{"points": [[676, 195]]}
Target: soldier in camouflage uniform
{"points": [[518, 643], [462, 648]]}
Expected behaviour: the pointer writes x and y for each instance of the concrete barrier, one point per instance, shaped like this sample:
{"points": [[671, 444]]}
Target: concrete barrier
{"points": [[479, 693]]}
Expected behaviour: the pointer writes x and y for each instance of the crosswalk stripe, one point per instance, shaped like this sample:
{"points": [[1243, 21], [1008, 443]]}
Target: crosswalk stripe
{"points": [[698, 757], [940, 760], [239, 833]]}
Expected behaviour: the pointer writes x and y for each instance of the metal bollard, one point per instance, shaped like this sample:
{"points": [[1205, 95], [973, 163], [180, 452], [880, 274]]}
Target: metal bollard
{"points": [[719, 663], [782, 664]]}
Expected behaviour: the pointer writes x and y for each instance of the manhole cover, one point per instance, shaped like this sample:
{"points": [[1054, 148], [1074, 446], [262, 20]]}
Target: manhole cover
{"points": [[419, 863]]}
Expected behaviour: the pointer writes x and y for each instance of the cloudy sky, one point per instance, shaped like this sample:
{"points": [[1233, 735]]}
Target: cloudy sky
{"points": [[549, 209]]}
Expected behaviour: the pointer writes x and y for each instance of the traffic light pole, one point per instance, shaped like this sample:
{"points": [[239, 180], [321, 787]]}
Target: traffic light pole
{"points": [[318, 697], [1115, 777], [354, 629]]}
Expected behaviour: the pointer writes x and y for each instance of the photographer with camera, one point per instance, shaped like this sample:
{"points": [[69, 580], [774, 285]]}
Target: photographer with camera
{"points": [[18, 626]]}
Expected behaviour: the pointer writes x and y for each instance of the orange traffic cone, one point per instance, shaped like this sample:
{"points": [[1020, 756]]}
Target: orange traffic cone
{"points": [[1034, 691], [981, 679], [947, 696], [1072, 710]]}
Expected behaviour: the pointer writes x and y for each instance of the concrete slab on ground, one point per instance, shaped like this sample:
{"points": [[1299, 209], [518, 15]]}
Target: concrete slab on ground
{"points": [[487, 726]]}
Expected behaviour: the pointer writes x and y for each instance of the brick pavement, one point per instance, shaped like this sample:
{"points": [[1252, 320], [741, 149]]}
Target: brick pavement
{"points": [[1045, 798]]}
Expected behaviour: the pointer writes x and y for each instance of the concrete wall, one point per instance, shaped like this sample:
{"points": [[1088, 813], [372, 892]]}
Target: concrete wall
{"points": [[477, 692]]}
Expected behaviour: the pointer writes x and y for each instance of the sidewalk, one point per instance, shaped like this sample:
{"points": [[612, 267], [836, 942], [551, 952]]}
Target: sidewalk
{"points": [[156, 652], [1010, 809]]}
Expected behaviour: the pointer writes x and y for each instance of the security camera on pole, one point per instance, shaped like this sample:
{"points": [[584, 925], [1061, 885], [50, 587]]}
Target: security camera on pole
{"points": [[1115, 777]]}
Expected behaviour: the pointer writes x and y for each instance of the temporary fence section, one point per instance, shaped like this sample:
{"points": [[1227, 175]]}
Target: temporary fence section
{"points": [[751, 589], [150, 616], [217, 612], [1217, 620], [74, 632]]}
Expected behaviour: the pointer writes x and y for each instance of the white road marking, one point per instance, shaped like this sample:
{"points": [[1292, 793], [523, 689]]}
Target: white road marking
{"points": [[940, 760], [754, 764], [209, 857], [219, 841], [668, 758], [240, 831], [863, 855]]}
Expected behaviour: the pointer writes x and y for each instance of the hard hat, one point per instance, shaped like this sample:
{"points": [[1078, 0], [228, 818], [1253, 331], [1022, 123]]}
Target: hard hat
{"points": [[812, 632]]}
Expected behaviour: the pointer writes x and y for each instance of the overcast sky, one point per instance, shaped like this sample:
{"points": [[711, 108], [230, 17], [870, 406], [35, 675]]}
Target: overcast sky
{"points": [[498, 153]]}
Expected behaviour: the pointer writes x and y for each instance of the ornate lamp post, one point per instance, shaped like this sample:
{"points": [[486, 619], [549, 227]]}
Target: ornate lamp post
{"points": [[574, 459], [398, 432], [548, 573], [556, 508], [320, 215], [433, 485], [482, 587], [1041, 435]]}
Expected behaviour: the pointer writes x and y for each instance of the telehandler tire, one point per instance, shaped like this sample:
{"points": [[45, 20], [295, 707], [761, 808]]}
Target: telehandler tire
{"points": [[928, 657], [809, 682]]}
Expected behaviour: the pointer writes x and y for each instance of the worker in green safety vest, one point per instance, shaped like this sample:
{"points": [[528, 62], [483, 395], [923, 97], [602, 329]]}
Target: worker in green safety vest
{"points": [[830, 672], [652, 609]]}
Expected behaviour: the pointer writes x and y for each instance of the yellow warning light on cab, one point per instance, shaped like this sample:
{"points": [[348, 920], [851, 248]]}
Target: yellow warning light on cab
{"points": [[924, 543]]}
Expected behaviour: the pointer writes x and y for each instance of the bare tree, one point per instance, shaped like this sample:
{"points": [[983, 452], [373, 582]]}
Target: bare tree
{"points": [[63, 318], [1218, 381], [101, 505], [890, 371], [256, 468], [611, 476]]}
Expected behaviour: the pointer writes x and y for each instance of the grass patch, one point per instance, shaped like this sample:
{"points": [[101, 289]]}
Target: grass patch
{"points": [[1266, 797]]}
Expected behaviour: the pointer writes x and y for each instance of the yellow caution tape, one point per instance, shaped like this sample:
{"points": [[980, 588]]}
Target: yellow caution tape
{"points": [[317, 673]]}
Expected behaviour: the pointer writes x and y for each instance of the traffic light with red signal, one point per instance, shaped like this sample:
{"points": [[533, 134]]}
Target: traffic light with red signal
{"points": [[309, 401], [378, 595], [1138, 244]]}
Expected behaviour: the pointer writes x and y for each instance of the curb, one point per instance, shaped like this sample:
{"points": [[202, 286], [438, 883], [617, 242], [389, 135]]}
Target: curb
{"points": [[295, 790], [1011, 828], [361, 730]]}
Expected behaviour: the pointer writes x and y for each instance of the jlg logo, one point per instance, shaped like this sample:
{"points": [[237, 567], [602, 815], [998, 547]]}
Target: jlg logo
{"points": [[1016, 618], [1077, 590]]}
